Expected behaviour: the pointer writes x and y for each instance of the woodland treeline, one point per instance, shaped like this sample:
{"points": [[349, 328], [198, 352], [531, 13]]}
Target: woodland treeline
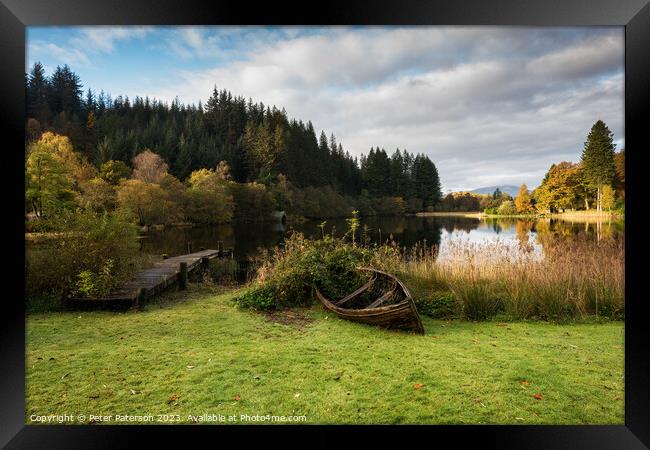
{"points": [[259, 144]]}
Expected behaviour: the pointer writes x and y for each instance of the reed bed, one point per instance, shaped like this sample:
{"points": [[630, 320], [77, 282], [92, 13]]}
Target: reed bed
{"points": [[557, 279]]}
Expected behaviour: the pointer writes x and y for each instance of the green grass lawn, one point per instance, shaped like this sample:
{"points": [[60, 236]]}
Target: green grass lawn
{"points": [[194, 353]]}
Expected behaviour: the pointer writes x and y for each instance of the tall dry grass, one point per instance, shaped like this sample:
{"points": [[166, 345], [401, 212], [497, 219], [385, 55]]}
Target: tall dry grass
{"points": [[557, 279]]}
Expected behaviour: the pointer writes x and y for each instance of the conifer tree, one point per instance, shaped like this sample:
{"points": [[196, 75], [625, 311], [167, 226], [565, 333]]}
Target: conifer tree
{"points": [[598, 159]]}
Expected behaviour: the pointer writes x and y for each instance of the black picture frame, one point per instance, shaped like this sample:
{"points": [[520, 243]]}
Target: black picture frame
{"points": [[634, 15]]}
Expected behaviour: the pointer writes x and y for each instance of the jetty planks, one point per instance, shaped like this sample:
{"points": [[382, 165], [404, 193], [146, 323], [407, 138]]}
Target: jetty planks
{"points": [[156, 279]]}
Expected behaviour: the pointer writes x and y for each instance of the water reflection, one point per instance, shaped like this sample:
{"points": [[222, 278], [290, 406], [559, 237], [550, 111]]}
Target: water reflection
{"points": [[247, 240]]}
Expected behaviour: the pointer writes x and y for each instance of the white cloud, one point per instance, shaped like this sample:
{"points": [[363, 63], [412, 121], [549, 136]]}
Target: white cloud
{"points": [[104, 38], [70, 56], [489, 105]]}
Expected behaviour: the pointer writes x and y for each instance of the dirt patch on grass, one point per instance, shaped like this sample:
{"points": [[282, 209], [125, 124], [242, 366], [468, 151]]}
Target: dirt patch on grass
{"points": [[289, 317]]}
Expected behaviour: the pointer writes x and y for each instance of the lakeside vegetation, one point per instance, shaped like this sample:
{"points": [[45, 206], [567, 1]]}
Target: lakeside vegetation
{"points": [[194, 352], [571, 279]]}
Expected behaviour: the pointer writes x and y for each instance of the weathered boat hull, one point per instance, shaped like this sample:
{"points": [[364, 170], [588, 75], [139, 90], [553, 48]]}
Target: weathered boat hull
{"points": [[402, 315]]}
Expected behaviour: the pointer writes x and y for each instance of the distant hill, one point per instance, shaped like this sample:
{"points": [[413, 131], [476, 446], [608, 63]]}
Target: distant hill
{"points": [[512, 190]]}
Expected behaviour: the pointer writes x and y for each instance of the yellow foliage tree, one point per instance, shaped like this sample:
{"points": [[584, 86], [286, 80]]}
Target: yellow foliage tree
{"points": [[53, 173], [523, 201], [608, 198], [148, 202]]}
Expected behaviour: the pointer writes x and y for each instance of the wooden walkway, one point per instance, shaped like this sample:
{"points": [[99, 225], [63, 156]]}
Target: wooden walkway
{"points": [[152, 281]]}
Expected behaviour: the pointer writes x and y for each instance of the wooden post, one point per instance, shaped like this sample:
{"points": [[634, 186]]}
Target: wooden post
{"points": [[220, 248], [189, 247], [182, 277], [205, 263], [139, 299]]}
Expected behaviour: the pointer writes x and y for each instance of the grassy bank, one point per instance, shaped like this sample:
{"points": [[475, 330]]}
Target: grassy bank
{"points": [[194, 353]]}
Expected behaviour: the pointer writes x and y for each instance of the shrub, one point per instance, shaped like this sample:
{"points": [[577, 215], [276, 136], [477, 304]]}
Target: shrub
{"points": [[288, 276], [263, 297], [439, 305], [88, 254], [91, 284], [507, 208]]}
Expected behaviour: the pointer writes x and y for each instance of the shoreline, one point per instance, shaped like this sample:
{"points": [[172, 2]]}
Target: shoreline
{"points": [[564, 216]]}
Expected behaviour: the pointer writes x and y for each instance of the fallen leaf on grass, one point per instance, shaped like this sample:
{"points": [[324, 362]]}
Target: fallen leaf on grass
{"points": [[191, 367], [537, 396], [134, 392], [296, 395], [237, 397], [524, 383], [65, 375], [476, 341], [418, 385], [173, 398]]}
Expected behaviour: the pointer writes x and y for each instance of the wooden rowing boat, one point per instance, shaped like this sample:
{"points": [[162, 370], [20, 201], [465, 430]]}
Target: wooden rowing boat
{"points": [[383, 301]]}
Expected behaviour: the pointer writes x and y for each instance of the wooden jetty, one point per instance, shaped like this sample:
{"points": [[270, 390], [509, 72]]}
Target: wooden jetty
{"points": [[150, 282]]}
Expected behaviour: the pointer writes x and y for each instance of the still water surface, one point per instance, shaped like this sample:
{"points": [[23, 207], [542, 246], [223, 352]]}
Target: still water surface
{"points": [[248, 239]]}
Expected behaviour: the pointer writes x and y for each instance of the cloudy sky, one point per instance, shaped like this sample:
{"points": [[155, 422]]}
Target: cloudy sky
{"points": [[489, 105]]}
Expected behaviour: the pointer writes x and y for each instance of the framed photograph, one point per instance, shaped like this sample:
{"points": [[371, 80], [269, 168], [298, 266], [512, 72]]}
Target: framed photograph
{"points": [[357, 217]]}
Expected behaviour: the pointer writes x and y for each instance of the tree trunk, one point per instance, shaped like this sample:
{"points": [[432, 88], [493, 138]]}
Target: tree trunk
{"points": [[600, 200]]}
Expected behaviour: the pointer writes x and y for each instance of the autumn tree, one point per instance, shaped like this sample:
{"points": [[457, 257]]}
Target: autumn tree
{"points": [[564, 187], [148, 203], [98, 195], [619, 178], [523, 201], [507, 208], [149, 167], [208, 198], [53, 173], [608, 198], [114, 171], [223, 171], [598, 159]]}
